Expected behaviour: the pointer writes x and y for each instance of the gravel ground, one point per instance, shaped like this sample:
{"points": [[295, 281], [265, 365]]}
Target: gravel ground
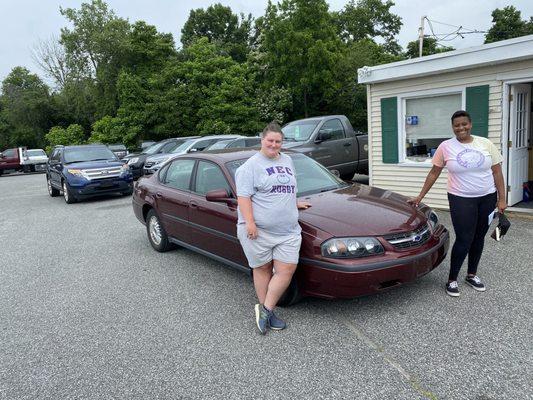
{"points": [[89, 311]]}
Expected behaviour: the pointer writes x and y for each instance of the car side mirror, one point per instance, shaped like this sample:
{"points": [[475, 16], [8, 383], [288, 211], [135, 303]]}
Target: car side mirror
{"points": [[322, 136], [192, 151], [220, 196]]}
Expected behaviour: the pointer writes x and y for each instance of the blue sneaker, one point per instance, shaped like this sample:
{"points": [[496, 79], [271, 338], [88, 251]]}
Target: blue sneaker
{"points": [[261, 318], [276, 323]]}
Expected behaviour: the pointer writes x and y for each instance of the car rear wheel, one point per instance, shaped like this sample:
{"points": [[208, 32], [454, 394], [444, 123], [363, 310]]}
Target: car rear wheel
{"points": [[52, 191], [67, 194], [156, 233], [291, 296]]}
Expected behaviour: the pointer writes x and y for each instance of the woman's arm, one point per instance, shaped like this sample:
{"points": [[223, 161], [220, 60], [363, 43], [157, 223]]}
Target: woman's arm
{"points": [[433, 174], [500, 187], [245, 206]]}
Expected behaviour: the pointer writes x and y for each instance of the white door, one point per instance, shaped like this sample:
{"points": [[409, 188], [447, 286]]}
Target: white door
{"points": [[520, 107]]}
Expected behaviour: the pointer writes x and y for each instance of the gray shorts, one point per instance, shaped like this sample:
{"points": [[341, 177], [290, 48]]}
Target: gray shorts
{"points": [[269, 246]]}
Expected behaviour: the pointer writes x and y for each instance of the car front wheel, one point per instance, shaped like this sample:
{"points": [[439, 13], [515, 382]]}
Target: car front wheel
{"points": [[291, 296], [67, 194], [52, 191], [156, 233]]}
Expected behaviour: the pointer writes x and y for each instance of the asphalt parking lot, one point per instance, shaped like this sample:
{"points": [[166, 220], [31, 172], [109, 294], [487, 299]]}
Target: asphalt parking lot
{"points": [[89, 311]]}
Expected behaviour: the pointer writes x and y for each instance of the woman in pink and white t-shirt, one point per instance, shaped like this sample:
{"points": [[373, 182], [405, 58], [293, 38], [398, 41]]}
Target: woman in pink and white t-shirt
{"points": [[475, 188]]}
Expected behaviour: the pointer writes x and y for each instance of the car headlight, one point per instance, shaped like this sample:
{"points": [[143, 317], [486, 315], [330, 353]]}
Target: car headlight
{"points": [[351, 247], [124, 169], [133, 160], [77, 172], [433, 219]]}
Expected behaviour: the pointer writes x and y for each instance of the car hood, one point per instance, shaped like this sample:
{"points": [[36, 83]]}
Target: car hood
{"points": [[289, 145], [94, 164], [131, 155], [360, 210]]}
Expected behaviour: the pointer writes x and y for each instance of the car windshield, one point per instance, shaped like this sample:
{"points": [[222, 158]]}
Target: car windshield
{"points": [[184, 146], [80, 154], [299, 131], [35, 153], [154, 148], [311, 176]]}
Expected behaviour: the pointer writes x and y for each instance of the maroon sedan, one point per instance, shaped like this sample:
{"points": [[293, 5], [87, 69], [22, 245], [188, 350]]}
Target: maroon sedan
{"points": [[356, 239]]}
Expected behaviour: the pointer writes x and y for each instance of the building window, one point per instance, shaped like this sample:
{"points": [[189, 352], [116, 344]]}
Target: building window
{"points": [[426, 123]]}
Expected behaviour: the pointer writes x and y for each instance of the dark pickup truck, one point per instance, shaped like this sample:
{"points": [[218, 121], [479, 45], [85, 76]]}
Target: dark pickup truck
{"points": [[330, 140]]}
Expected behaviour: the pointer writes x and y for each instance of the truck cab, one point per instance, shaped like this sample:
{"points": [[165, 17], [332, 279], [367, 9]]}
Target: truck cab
{"points": [[10, 160], [330, 140]]}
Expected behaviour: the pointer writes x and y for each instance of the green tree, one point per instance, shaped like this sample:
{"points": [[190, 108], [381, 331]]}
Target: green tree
{"points": [[58, 135], [350, 99], [95, 49], [25, 109], [507, 23], [369, 19], [219, 25], [109, 130], [301, 49], [429, 46]]}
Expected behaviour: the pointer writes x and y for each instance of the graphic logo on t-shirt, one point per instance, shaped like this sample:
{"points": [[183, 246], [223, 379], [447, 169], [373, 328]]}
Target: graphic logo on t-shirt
{"points": [[283, 175], [470, 158]]}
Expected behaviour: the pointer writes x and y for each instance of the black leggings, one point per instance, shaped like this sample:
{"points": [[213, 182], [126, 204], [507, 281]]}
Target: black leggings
{"points": [[470, 222]]}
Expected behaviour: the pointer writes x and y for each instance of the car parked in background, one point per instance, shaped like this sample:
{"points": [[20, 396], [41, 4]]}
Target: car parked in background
{"points": [[240, 142], [136, 160], [356, 239], [153, 163], [34, 160], [10, 160], [119, 149], [80, 172]]}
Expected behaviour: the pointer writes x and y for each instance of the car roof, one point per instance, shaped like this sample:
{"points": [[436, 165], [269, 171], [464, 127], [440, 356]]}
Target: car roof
{"points": [[84, 146]]}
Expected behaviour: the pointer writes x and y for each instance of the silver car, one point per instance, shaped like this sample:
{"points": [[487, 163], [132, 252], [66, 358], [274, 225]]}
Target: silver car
{"points": [[153, 163]]}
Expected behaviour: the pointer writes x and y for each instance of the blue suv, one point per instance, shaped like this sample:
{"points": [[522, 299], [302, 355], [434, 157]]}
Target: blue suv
{"points": [[85, 171]]}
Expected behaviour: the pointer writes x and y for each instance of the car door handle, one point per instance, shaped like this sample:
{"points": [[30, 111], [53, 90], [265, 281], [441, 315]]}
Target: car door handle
{"points": [[347, 144], [158, 195], [193, 204]]}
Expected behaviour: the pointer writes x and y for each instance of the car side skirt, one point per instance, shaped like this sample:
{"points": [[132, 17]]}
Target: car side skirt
{"points": [[211, 255]]}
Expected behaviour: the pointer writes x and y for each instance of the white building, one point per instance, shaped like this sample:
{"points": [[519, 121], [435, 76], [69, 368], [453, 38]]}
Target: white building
{"points": [[410, 104]]}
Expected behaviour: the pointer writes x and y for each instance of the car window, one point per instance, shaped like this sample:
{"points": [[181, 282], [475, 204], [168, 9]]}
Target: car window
{"points": [[168, 147], [333, 127], [56, 155], [178, 174], [252, 142], [222, 144], [236, 143], [9, 153], [209, 176], [311, 176], [202, 144], [80, 154], [299, 131]]}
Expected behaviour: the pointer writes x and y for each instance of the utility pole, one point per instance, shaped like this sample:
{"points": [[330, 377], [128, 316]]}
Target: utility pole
{"points": [[421, 35]]}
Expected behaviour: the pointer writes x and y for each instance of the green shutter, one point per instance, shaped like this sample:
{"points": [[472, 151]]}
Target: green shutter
{"points": [[477, 105], [389, 130]]}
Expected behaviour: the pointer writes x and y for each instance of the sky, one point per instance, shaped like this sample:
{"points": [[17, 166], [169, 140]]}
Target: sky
{"points": [[23, 23]]}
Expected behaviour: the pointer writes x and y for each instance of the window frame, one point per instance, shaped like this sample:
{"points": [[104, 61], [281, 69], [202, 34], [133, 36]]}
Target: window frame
{"points": [[162, 177], [344, 135], [195, 175], [402, 107]]}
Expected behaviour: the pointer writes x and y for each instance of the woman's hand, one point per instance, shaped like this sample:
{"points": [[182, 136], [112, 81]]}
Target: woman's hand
{"points": [[502, 205], [303, 205], [251, 230], [415, 201]]}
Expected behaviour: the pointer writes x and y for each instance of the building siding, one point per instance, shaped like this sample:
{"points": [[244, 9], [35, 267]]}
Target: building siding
{"points": [[408, 180]]}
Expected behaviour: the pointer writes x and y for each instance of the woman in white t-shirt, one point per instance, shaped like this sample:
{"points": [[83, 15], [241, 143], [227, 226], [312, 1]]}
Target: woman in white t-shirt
{"points": [[475, 187]]}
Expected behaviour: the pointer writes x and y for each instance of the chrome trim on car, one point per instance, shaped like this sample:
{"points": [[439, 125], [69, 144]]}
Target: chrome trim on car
{"points": [[410, 239], [102, 173]]}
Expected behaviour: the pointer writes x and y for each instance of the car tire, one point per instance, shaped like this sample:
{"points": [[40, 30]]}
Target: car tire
{"points": [[67, 194], [291, 296], [52, 191], [156, 233]]}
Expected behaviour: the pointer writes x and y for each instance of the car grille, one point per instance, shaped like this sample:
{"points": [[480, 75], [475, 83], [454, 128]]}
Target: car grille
{"points": [[102, 173], [410, 239]]}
